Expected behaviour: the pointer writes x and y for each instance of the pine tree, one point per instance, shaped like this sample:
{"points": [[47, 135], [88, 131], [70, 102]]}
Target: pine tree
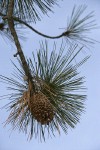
{"points": [[46, 88]]}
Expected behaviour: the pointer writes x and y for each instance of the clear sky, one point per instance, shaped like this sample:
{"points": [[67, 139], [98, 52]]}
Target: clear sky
{"points": [[86, 135]]}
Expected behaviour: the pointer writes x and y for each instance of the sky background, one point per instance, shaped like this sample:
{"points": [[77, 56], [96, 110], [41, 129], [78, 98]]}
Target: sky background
{"points": [[86, 135]]}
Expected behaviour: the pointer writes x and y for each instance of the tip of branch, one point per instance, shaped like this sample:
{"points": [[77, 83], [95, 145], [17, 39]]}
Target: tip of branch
{"points": [[15, 55]]}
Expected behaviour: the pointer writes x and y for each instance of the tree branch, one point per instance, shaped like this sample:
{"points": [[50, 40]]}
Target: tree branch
{"points": [[17, 43], [30, 27], [36, 31]]}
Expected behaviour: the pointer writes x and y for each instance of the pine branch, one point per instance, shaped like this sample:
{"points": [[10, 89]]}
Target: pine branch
{"points": [[36, 31], [29, 10], [76, 30], [33, 29], [16, 40], [56, 76]]}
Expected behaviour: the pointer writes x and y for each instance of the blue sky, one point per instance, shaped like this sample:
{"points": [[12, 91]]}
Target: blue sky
{"points": [[86, 135]]}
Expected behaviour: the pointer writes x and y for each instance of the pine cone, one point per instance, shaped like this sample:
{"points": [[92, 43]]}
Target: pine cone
{"points": [[41, 108]]}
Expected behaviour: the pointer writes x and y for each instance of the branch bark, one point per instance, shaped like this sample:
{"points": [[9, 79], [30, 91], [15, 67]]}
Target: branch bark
{"points": [[16, 40]]}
